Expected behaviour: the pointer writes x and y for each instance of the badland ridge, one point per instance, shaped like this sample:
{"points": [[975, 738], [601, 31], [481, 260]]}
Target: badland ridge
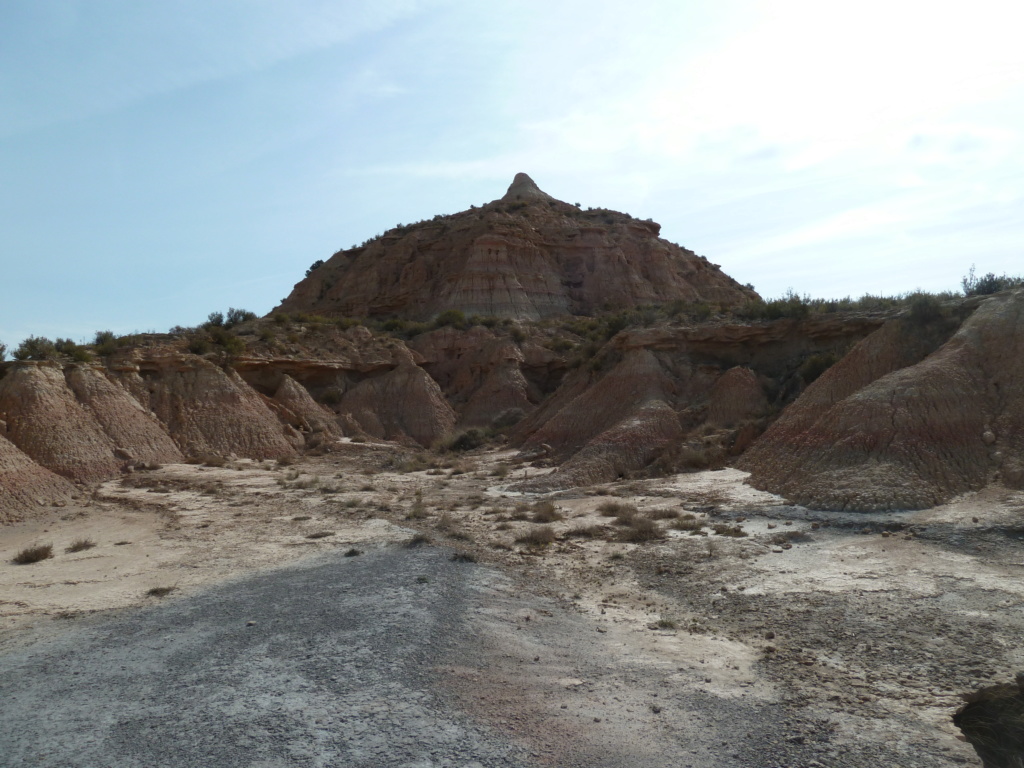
{"points": [[581, 338]]}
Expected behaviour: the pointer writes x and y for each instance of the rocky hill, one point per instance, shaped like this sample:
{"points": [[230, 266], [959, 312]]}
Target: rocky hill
{"points": [[908, 419], [525, 256], [670, 369]]}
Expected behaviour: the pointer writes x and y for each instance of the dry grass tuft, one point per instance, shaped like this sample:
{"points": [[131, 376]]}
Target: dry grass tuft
{"points": [[537, 537], [545, 512], [80, 545], [640, 530], [34, 554]]}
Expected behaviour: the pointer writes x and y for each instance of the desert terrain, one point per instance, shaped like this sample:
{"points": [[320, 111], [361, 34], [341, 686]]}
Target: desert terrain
{"points": [[849, 636]]}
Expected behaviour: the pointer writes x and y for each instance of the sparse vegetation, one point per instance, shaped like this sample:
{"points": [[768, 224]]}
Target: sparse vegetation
{"points": [[160, 591], [79, 545], [33, 554], [319, 535], [537, 537], [616, 509], [640, 530], [545, 512], [988, 284], [732, 531]]}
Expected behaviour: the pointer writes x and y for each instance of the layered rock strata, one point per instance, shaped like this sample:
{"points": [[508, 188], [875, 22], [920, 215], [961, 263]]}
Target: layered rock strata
{"points": [[525, 256], [880, 431]]}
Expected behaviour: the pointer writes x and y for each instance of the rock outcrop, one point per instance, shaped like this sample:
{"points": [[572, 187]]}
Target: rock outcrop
{"points": [[208, 410], [136, 432], [881, 430], [404, 405], [525, 256], [298, 408]]}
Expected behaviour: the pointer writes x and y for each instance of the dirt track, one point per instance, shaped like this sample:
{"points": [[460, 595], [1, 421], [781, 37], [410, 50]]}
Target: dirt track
{"points": [[814, 639]]}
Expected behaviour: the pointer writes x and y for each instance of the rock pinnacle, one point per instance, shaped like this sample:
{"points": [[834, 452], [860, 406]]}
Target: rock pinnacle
{"points": [[525, 188]]}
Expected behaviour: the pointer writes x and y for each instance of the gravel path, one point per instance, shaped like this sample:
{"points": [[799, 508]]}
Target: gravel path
{"points": [[334, 670]]}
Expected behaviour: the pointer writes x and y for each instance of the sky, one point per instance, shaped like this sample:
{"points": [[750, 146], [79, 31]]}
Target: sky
{"points": [[160, 161]]}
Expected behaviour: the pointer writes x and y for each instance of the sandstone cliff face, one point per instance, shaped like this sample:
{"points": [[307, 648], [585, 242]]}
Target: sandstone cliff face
{"points": [[525, 256], [871, 435], [26, 487]]}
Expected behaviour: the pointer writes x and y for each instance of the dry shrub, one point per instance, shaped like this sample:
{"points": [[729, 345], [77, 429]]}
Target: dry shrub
{"points": [[662, 514], [160, 591], [586, 532], [34, 554], [724, 529], [545, 512], [537, 537], [521, 512], [319, 535], [688, 523], [80, 545], [640, 530], [616, 509]]}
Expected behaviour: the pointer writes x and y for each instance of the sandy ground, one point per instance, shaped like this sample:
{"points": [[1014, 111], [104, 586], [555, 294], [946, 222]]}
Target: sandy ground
{"points": [[863, 628]]}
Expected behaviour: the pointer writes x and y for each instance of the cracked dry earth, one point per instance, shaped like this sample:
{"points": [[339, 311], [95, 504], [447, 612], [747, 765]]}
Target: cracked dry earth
{"points": [[744, 632]]}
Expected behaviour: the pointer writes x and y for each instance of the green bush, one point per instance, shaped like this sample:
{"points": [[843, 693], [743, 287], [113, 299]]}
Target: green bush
{"points": [[988, 284], [72, 350], [452, 317], [3, 351], [314, 266], [465, 441], [237, 317], [925, 308], [35, 348], [815, 365]]}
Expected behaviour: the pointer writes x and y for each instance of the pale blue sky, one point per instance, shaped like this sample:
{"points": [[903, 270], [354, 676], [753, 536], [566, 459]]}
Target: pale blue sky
{"points": [[159, 161]]}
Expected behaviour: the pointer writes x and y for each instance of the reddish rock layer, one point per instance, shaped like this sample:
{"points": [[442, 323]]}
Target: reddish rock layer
{"points": [[911, 437], [613, 426], [525, 256]]}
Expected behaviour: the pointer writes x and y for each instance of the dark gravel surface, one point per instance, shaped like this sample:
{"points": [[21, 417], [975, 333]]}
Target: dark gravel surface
{"points": [[334, 671]]}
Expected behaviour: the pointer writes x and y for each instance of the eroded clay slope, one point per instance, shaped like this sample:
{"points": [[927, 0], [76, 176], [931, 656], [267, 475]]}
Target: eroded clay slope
{"points": [[25, 486], [46, 421], [134, 430], [404, 404], [911, 437], [525, 256], [209, 410]]}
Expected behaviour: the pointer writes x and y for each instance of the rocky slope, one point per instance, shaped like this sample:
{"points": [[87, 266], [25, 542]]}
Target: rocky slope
{"points": [[525, 256], [895, 425]]}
